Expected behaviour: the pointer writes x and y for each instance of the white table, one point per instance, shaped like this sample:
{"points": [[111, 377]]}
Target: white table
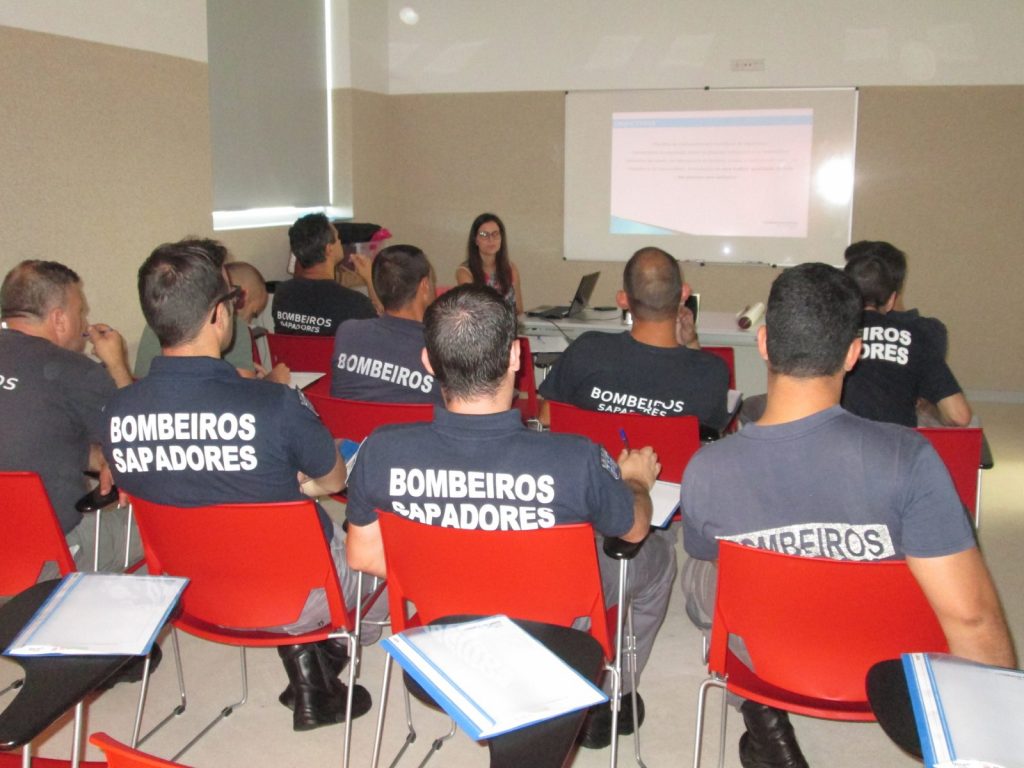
{"points": [[716, 329]]}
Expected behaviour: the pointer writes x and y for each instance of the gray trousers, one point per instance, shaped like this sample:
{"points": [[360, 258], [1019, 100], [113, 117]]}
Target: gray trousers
{"points": [[113, 534], [649, 587], [316, 614]]}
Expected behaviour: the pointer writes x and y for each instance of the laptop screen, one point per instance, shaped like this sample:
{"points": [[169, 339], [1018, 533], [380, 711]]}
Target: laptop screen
{"points": [[583, 293]]}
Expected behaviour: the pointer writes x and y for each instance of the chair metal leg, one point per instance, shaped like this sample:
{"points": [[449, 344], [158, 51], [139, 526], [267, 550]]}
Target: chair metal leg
{"points": [[353, 655], [224, 712], [379, 735], [631, 644], [76, 736], [96, 543], [437, 743], [182, 701], [128, 538], [26, 756], [410, 734], [977, 504], [698, 738], [617, 685]]}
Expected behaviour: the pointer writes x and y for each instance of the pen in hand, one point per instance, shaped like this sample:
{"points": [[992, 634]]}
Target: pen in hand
{"points": [[625, 440]]}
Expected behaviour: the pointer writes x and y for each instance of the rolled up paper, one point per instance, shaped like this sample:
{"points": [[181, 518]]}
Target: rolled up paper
{"points": [[750, 316]]}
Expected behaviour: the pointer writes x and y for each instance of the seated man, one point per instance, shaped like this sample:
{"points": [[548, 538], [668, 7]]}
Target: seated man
{"points": [[657, 367], [900, 362], [256, 441], [896, 260], [472, 350], [312, 303], [52, 397], [811, 479], [381, 359], [251, 301]]}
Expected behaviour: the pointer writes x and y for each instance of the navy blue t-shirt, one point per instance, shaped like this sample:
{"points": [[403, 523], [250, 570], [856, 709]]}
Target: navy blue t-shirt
{"points": [[307, 307], [616, 373], [379, 360], [487, 472], [194, 432]]}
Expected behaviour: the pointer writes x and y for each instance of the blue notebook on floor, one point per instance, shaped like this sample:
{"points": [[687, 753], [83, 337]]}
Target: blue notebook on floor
{"points": [[490, 675]]}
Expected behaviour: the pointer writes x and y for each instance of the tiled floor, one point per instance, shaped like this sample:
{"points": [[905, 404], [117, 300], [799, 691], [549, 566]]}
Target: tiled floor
{"points": [[259, 734]]}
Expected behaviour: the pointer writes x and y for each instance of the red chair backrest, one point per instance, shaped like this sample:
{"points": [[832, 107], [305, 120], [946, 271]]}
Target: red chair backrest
{"points": [[249, 566], [674, 438], [526, 382], [301, 353], [355, 419], [122, 756], [32, 535], [549, 574], [728, 354], [960, 450], [815, 626]]}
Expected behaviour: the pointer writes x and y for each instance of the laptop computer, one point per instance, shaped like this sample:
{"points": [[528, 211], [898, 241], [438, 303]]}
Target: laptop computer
{"points": [[579, 301]]}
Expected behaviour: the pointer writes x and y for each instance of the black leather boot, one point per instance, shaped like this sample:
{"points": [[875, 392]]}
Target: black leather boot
{"points": [[315, 705], [334, 656], [314, 693], [769, 741]]}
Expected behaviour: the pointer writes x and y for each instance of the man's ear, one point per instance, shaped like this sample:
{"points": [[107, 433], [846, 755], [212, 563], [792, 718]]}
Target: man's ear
{"points": [[687, 290], [513, 356], [425, 359], [621, 300], [853, 353], [889, 304], [762, 342]]}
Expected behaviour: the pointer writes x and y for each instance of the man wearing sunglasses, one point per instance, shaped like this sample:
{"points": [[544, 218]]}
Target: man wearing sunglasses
{"points": [[194, 432]]}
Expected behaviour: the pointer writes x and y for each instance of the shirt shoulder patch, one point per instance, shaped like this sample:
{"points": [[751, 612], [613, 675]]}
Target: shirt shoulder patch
{"points": [[609, 465]]}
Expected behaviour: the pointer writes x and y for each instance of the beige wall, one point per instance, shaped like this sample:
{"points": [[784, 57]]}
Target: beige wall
{"points": [[940, 173], [106, 153]]}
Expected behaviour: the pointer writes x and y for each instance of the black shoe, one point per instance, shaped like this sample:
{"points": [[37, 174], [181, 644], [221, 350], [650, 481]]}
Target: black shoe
{"points": [[133, 670], [769, 741], [333, 656], [315, 696], [596, 732], [319, 698]]}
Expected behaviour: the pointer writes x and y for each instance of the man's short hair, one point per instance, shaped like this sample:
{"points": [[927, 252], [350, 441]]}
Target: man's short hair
{"points": [[814, 313], [874, 279], [309, 236], [894, 258], [653, 284], [469, 331], [397, 272], [34, 288], [178, 285]]}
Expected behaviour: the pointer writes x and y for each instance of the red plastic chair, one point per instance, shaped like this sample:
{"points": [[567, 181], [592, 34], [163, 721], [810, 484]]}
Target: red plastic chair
{"points": [[301, 353], [960, 450], [249, 566], [728, 354], [32, 535], [812, 627], [526, 383], [549, 575], [355, 419], [122, 756], [675, 438]]}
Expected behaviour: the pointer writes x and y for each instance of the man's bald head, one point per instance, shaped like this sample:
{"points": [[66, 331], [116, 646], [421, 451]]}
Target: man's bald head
{"points": [[653, 283], [249, 279]]}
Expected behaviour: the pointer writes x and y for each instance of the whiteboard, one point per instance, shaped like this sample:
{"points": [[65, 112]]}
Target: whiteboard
{"points": [[729, 176]]}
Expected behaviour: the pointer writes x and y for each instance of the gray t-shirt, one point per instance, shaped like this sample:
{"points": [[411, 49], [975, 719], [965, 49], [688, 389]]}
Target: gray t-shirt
{"points": [[379, 360], [829, 485], [51, 406]]}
